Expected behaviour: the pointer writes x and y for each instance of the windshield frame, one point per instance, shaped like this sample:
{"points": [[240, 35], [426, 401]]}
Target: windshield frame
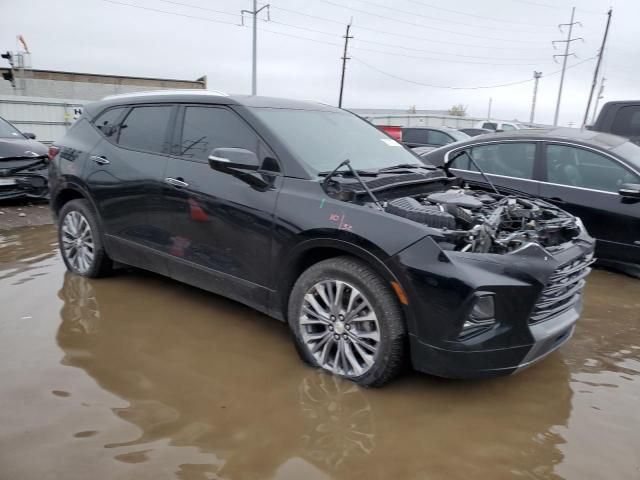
{"points": [[631, 162]]}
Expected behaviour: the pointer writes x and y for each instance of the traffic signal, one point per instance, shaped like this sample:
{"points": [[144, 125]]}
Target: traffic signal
{"points": [[8, 75]]}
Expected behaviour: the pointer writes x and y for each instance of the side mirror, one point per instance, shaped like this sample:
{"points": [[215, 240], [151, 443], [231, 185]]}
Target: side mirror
{"points": [[630, 190], [29, 135], [239, 158]]}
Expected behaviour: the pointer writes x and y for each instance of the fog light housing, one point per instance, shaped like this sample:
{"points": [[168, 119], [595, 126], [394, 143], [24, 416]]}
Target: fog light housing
{"points": [[483, 311]]}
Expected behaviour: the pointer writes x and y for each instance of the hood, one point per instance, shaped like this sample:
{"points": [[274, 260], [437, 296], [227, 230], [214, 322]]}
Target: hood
{"points": [[21, 147]]}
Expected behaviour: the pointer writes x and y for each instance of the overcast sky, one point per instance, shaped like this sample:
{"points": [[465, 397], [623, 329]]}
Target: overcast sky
{"points": [[458, 43]]}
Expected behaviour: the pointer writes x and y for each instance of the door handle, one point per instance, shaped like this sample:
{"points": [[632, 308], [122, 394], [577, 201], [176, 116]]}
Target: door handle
{"points": [[176, 182], [100, 160]]}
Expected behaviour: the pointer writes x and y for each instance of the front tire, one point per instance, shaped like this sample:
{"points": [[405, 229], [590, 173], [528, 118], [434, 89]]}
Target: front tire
{"points": [[345, 319], [80, 240]]}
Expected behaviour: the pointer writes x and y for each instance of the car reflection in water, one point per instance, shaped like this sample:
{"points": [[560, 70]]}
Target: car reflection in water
{"points": [[200, 371]]}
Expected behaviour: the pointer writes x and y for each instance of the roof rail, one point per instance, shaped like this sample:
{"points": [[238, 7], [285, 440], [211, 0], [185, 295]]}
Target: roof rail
{"points": [[182, 91]]}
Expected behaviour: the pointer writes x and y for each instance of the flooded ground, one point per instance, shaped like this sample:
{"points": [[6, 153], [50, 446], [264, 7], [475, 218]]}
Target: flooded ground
{"points": [[140, 377]]}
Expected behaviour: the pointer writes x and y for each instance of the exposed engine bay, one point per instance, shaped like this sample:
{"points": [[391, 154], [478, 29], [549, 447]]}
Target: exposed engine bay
{"points": [[483, 222]]}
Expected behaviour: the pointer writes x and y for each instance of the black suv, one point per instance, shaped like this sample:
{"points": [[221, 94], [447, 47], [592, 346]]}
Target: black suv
{"points": [[312, 216]]}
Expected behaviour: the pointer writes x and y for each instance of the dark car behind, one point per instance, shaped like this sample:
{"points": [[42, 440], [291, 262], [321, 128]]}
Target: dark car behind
{"points": [[23, 164], [414, 137], [595, 176]]}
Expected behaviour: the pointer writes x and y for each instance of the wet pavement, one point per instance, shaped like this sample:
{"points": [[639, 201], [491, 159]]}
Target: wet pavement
{"points": [[139, 377]]}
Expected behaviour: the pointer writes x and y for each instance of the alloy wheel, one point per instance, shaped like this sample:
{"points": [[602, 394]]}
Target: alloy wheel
{"points": [[77, 241], [340, 328]]}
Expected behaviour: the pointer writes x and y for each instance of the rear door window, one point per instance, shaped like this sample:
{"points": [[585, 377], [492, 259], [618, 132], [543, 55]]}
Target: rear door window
{"points": [[627, 122], [507, 127], [145, 128], [108, 121], [513, 159], [415, 135], [578, 167]]}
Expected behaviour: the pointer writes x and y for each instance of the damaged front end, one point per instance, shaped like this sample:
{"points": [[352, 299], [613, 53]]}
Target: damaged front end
{"points": [[23, 177], [482, 222]]}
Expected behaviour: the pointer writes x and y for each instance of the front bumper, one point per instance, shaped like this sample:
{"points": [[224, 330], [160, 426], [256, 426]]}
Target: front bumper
{"points": [[441, 287], [33, 184]]}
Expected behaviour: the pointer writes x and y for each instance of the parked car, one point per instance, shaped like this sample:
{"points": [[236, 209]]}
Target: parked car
{"points": [[430, 136], [620, 118], [498, 126], [23, 164], [474, 132], [368, 260], [595, 176]]}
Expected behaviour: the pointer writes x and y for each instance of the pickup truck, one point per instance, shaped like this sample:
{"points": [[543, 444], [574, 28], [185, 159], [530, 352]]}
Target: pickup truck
{"points": [[621, 118]]}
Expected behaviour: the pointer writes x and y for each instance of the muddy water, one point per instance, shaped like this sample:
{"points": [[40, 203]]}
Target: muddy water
{"points": [[139, 377]]}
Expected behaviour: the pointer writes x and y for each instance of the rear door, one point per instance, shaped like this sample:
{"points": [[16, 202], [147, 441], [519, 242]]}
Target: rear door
{"points": [[220, 225], [585, 182], [511, 166], [125, 177], [626, 122]]}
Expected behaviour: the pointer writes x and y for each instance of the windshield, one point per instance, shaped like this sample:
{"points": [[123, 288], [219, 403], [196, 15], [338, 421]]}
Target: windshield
{"points": [[630, 152], [323, 139], [8, 131]]}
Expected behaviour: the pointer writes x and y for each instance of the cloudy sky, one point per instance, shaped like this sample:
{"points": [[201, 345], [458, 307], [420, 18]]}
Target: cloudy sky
{"points": [[403, 51]]}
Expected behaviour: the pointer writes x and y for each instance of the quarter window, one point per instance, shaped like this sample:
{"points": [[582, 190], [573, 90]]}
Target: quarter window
{"points": [[507, 159], [145, 128], [108, 121], [578, 167]]}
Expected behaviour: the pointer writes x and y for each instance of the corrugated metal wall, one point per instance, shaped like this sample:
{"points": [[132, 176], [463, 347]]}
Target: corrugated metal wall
{"points": [[47, 118]]}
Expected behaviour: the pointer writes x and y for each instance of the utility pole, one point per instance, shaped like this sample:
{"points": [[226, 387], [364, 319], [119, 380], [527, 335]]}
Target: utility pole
{"points": [[536, 77], [598, 98], [566, 54], [344, 62], [489, 109], [597, 70], [254, 13]]}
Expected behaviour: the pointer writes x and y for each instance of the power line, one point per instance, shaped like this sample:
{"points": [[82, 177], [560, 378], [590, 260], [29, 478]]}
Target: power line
{"points": [[557, 7], [448, 87], [372, 42], [394, 54], [416, 14], [466, 14], [429, 27]]}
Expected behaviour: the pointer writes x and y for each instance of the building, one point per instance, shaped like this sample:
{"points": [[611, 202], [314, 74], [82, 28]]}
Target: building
{"points": [[46, 102], [86, 86]]}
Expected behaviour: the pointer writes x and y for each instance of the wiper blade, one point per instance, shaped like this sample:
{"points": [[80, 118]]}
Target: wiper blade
{"points": [[355, 173], [362, 173], [404, 166]]}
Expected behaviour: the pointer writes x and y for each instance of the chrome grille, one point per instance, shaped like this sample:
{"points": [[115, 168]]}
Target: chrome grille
{"points": [[563, 289]]}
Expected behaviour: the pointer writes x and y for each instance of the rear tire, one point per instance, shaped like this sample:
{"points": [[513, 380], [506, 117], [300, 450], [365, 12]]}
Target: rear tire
{"points": [[345, 319], [80, 240]]}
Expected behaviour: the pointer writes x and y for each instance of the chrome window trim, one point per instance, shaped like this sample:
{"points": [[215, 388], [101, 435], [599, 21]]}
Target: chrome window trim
{"points": [[557, 142]]}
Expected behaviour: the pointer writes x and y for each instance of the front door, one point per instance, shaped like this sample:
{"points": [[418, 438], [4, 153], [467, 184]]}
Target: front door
{"points": [[220, 224], [586, 184], [125, 177]]}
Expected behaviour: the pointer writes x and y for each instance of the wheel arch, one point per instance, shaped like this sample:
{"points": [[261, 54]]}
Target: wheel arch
{"points": [[310, 252], [67, 191]]}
